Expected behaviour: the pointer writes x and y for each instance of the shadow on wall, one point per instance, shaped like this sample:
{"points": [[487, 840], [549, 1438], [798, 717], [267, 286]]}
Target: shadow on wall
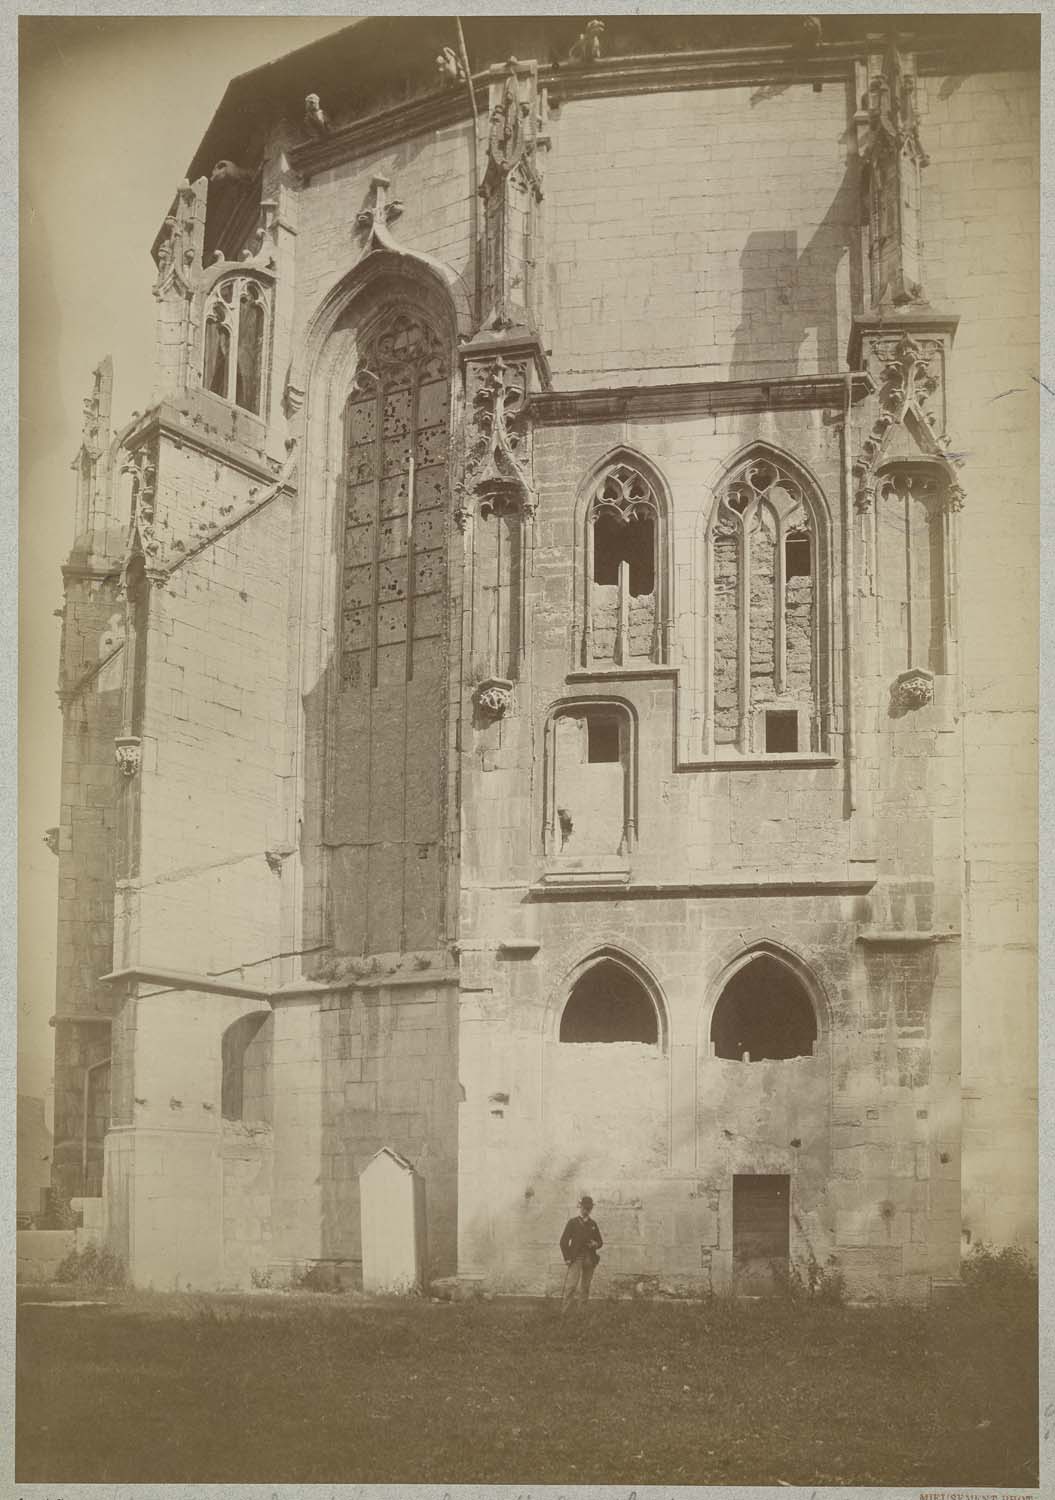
{"points": [[787, 295]]}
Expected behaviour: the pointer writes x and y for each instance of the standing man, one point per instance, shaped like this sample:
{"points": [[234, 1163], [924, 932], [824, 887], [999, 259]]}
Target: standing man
{"points": [[579, 1245]]}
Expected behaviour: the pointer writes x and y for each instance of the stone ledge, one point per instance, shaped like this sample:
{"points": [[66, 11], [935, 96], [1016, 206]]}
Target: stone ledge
{"points": [[884, 936], [176, 979], [693, 398], [761, 885]]}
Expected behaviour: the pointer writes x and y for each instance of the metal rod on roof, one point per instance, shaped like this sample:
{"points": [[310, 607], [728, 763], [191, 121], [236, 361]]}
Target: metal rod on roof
{"points": [[474, 172], [465, 65]]}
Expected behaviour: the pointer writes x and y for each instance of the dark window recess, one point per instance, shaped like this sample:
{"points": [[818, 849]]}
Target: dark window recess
{"points": [[250, 353], [782, 732], [764, 1013], [217, 354], [235, 1043], [609, 1005], [616, 541], [797, 557], [602, 738]]}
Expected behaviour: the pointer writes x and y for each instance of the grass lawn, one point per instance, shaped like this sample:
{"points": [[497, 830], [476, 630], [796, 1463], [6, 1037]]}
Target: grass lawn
{"points": [[329, 1389]]}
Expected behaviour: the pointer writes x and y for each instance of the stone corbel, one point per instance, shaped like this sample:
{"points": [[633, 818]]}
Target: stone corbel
{"points": [[914, 688], [494, 697], [128, 753]]}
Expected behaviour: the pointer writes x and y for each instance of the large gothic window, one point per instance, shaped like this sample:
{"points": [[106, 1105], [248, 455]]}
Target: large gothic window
{"points": [[624, 585], [397, 426], [236, 340], [767, 656]]}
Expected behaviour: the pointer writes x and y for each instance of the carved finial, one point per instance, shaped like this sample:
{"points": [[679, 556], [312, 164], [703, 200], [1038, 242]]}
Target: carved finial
{"points": [[449, 69], [95, 431], [373, 221], [180, 247], [315, 118], [588, 48], [497, 462]]}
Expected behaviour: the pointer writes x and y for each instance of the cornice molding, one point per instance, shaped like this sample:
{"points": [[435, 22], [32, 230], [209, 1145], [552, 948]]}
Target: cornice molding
{"points": [[773, 885], [166, 420], [387, 127], [648, 73], [695, 398], [177, 979]]}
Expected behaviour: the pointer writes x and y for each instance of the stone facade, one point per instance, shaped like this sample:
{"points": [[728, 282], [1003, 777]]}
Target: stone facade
{"points": [[548, 683]]}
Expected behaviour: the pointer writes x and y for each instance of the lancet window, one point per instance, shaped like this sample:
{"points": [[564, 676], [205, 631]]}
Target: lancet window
{"points": [[624, 587], [767, 656], [591, 793], [397, 433], [236, 342], [912, 553]]}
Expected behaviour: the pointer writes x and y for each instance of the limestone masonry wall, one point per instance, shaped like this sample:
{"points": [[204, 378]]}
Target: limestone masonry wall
{"points": [[416, 767]]}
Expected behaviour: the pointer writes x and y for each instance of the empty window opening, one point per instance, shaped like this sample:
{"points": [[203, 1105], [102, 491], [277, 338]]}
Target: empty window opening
{"points": [[782, 731], [602, 738], [631, 540], [764, 1013], [797, 557], [235, 339], [588, 808], [608, 1004], [246, 1059]]}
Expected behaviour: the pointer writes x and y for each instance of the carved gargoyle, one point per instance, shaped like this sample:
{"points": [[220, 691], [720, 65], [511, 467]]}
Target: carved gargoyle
{"points": [[808, 33], [449, 69], [230, 172], [315, 118], [588, 48]]}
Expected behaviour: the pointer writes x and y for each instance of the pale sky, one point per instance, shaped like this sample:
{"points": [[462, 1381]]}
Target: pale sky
{"points": [[111, 112]]}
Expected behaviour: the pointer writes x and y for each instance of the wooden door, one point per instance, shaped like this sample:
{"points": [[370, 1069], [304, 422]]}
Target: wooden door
{"points": [[760, 1233]]}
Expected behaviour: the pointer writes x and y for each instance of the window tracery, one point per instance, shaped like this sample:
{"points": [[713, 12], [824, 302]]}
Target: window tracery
{"points": [[397, 430], [236, 342], [766, 646], [624, 583]]}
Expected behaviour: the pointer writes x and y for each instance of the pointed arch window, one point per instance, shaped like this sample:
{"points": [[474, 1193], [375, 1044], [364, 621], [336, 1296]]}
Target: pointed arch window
{"points": [[608, 1003], [768, 661], [625, 583], [764, 1013], [912, 552], [397, 436], [237, 332]]}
